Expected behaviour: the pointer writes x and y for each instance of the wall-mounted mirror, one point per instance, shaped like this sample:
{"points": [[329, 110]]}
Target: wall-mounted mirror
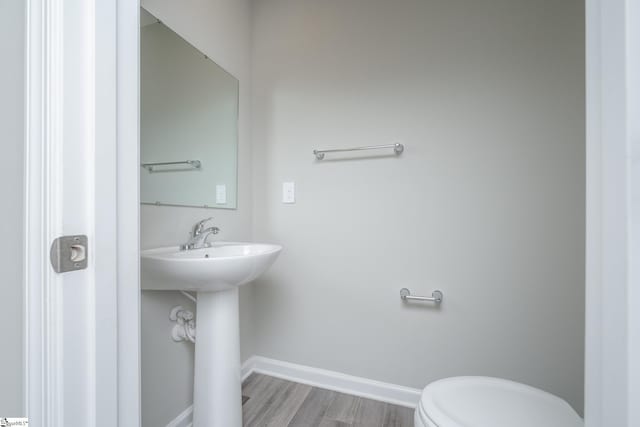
{"points": [[188, 123]]}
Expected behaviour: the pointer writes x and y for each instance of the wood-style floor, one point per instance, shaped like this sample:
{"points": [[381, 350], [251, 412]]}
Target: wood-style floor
{"points": [[273, 402]]}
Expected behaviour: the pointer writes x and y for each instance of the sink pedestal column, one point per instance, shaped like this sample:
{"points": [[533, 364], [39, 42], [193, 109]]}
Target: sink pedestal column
{"points": [[217, 395]]}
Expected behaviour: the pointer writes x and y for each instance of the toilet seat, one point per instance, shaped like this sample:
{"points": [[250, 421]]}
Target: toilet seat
{"points": [[491, 402]]}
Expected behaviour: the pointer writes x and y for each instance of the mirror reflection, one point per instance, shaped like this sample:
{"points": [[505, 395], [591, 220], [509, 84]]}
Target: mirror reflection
{"points": [[188, 123]]}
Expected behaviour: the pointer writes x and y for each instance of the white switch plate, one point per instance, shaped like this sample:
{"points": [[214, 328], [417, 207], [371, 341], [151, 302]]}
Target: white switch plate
{"points": [[288, 192], [221, 194]]}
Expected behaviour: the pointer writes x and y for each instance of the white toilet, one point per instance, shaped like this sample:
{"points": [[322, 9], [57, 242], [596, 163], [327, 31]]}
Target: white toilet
{"points": [[491, 402]]}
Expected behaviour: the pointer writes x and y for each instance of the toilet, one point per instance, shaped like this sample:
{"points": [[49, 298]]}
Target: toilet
{"points": [[491, 402]]}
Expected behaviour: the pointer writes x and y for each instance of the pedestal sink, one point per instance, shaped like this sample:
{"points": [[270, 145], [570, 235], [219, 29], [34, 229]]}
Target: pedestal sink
{"points": [[215, 273]]}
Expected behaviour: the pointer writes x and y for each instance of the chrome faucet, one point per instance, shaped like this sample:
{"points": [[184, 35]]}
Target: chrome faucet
{"points": [[199, 236]]}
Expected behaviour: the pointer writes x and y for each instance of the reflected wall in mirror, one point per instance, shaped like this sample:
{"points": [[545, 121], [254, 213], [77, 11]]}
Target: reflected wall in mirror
{"points": [[188, 123]]}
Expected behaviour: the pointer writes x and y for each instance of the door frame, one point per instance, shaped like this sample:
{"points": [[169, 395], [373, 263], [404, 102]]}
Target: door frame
{"points": [[128, 211], [82, 339], [612, 347]]}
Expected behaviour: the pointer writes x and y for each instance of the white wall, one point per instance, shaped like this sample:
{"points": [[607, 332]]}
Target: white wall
{"points": [[220, 29], [486, 203], [12, 28]]}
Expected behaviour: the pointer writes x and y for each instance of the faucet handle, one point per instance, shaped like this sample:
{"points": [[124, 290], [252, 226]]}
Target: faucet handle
{"points": [[197, 229]]}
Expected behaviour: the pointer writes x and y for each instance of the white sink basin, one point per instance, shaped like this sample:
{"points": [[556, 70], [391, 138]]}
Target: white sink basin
{"points": [[222, 266], [215, 273]]}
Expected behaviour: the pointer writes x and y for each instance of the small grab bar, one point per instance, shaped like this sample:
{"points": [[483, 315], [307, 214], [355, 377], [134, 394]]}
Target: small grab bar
{"points": [[436, 296]]}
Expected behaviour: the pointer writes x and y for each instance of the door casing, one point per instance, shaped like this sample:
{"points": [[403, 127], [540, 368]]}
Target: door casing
{"points": [[82, 327]]}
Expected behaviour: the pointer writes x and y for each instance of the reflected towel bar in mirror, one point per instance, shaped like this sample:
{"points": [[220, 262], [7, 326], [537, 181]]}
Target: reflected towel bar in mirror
{"points": [[153, 167], [397, 149]]}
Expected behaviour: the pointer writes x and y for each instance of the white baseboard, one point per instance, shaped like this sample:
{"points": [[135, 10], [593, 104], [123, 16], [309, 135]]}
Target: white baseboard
{"points": [[331, 380], [185, 419], [321, 378]]}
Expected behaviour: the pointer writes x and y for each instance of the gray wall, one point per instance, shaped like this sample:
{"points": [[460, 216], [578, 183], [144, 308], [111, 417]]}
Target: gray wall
{"points": [[220, 29], [486, 203], [12, 28]]}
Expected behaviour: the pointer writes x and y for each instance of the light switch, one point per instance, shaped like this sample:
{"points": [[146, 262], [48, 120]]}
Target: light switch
{"points": [[288, 192], [221, 194]]}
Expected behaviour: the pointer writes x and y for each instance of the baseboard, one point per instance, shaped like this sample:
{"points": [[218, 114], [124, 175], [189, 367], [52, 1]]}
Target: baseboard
{"points": [[331, 380], [185, 419], [321, 378]]}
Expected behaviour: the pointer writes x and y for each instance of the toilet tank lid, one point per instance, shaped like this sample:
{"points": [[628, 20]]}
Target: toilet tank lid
{"points": [[494, 402]]}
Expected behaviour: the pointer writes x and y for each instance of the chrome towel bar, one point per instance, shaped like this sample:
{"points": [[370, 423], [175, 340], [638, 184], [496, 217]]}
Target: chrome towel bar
{"points": [[436, 296], [397, 148], [151, 167]]}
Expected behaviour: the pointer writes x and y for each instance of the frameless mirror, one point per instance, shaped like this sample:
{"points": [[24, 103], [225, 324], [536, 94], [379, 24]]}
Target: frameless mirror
{"points": [[188, 123]]}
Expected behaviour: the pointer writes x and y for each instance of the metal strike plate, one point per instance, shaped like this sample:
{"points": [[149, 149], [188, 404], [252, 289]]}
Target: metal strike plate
{"points": [[69, 253]]}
